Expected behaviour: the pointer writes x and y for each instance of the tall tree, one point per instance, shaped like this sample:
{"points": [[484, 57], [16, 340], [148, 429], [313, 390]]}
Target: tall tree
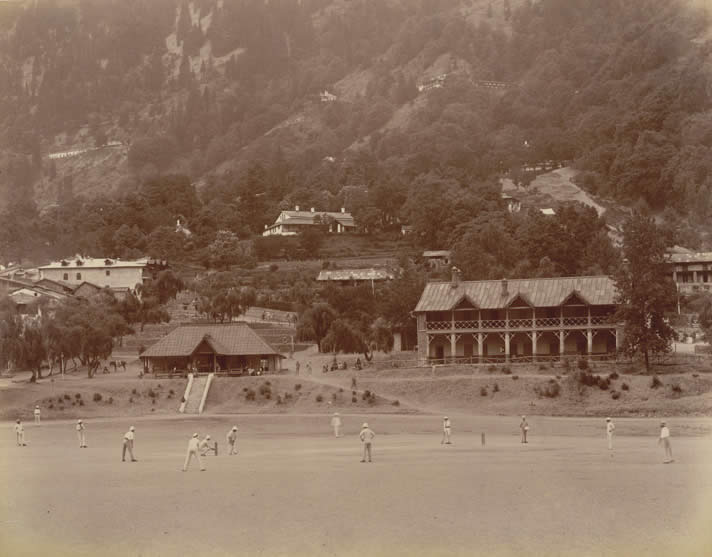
{"points": [[644, 291]]}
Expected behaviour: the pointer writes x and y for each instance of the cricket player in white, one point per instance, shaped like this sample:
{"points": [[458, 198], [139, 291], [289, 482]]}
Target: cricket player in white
{"points": [[524, 426], [610, 428], [366, 437], [128, 444], [446, 431], [193, 451], [205, 445], [232, 440], [37, 414], [20, 434], [81, 435], [336, 424], [665, 440]]}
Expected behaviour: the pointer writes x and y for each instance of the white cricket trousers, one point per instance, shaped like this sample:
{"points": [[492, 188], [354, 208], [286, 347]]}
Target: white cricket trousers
{"points": [[82, 437], [189, 457], [610, 441], [336, 430]]}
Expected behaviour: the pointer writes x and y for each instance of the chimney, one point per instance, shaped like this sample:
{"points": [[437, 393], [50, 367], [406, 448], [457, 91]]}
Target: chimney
{"points": [[296, 207], [343, 209], [455, 282], [312, 209], [266, 226], [505, 292]]}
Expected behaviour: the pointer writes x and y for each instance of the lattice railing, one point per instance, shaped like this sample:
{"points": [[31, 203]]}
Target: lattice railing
{"points": [[519, 323], [548, 322], [466, 324], [494, 324], [438, 325], [575, 321]]}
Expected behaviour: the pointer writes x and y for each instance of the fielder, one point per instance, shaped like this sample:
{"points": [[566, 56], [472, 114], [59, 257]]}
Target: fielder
{"points": [[193, 451], [610, 428], [205, 446], [20, 434], [336, 424], [81, 434], [665, 440], [232, 440], [128, 445], [366, 437], [446, 431], [37, 414], [524, 426]]}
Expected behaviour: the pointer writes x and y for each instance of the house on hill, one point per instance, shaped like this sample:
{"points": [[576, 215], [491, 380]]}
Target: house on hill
{"points": [[114, 273], [437, 259], [493, 320], [290, 223], [691, 271], [212, 348], [352, 277]]}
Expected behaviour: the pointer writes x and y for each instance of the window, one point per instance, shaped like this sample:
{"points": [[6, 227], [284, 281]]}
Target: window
{"points": [[108, 273], [65, 276], [79, 276]]}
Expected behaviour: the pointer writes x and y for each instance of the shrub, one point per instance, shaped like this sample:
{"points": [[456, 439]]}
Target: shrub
{"points": [[171, 392], [372, 398], [319, 398], [341, 390], [268, 395], [353, 393], [676, 388], [542, 367], [288, 396], [483, 391], [51, 405], [151, 393], [61, 407], [551, 390], [244, 389], [97, 397], [66, 396], [492, 368], [567, 364], [134, 392], [159, 386], [81, 402], [624, 386], [354, 399], [615, 395], [78, 396], [279, 399], [265, 390], [507, 370], [297, 387], [250, 394], [273, 267], [655, 382], [153, 401], [131, 400], [396, 402], [495, 389], [603, 384], [366, 395], [110, 400], [74, 403], [613, 376], [582, 363], [268, 383]]}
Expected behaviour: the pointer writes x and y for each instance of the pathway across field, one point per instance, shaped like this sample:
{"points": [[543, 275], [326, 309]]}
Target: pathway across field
{"points": [[295, 490]]}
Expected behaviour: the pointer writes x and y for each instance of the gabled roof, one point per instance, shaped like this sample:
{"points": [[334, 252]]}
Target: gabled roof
{"points": [[540, 292], [55, 285], [436, 253], [307, 217], [355, 274], [230, 339]]}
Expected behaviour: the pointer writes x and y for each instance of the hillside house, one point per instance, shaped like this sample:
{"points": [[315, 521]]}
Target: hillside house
{"points": [[437, 82], [291, 223], [437, 259], [212, 348], [114, 273], [525, 319], [353, 277], [691, 271], [327, 97], [513, 204]]}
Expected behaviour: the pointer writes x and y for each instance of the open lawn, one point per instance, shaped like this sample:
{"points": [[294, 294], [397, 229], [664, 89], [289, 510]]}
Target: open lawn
{"points": [[295, 490]]}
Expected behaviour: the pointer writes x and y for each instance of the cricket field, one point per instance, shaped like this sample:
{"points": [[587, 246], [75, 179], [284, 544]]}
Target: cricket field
{"points": [[294, 489]]}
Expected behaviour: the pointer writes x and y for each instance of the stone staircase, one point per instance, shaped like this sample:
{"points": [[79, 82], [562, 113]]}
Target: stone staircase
{"points": [[196, 394]]}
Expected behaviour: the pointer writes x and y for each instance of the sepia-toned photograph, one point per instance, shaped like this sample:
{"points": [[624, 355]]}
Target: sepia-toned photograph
{"points": [[355, 278]]}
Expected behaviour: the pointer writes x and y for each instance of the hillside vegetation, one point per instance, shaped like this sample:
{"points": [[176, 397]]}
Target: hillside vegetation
{"points": [[224, 96]]}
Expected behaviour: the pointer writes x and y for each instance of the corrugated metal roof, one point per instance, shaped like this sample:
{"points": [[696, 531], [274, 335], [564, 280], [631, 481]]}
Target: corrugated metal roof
{"points": [[231, 339], [355, 274], [541, 292], [698, 257], [436, 253]]}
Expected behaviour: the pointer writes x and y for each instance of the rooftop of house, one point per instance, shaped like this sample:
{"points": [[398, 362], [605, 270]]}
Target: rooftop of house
{"points": [[80, 262], [691, 257], [436, 253], [307, 217], [355, 274], [500, 294], [229, 339]]}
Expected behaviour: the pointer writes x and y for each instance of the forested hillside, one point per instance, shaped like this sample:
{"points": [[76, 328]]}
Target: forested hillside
{"points": [[210, 111]]}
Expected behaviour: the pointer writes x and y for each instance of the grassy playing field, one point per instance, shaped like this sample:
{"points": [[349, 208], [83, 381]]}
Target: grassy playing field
{"points": [[295, 490]]}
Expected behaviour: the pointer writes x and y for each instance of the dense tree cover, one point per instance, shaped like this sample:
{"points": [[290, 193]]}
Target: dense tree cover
{"points": [[645, 292], [619, 88]]}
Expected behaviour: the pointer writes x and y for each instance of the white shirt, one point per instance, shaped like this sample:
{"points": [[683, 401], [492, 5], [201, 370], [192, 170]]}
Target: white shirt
{"points": [[446, 424], [610, 427], [367, 435], [193, 444], [335, 421], [80, 427], [129, 436], [37, 411], [664, 432], [232, 437], [19, 428]]}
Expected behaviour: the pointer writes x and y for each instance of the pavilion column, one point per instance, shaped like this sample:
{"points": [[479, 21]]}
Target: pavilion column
{"points": [[589, 342], [694, 276], [534, 338], [562, 343], [480, 346], [453, 346], [618, 339], [506, 346]]}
